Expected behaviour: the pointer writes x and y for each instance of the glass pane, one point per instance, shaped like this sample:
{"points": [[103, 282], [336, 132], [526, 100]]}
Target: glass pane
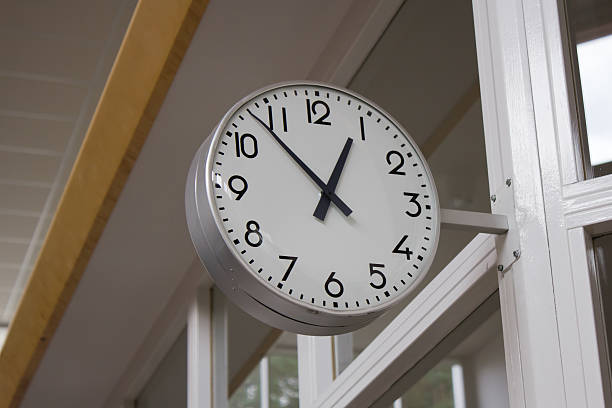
{"points": [[167, 387], [253, 379], [603, 257], [472, 373], [424, 72], [434, 390], [591, 40]]}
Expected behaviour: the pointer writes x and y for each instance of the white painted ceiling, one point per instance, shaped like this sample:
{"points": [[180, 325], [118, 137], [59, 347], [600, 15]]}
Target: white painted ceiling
{"points": [[55, 57], [145, 249]]}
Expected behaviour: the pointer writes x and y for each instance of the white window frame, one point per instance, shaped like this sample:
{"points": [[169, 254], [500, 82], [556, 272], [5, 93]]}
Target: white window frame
{"points": [[549, 298]]}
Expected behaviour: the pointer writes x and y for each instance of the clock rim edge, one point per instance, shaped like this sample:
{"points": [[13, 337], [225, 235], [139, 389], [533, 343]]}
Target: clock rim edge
{"points": [[252, 287]]}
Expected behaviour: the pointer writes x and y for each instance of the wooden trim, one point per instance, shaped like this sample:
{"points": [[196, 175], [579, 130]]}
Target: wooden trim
{"points": [[454, 116], [154, 45], [252, 362]]}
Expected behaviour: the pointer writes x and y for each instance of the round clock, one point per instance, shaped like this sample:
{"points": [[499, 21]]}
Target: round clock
{"points": [[312, 208]]}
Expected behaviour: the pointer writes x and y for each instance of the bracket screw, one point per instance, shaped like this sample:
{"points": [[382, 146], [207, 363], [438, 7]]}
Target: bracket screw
{"points": [[500, 268], [493, 198], [516, 253], [508, 182]]}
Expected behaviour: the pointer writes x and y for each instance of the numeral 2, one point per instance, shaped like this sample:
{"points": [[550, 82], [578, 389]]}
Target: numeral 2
{"points": [[396, 169]]}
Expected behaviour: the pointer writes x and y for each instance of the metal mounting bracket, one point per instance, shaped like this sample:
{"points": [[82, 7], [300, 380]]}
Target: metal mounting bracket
{"points": [[474, 221], [500, 222], [508, 245]]}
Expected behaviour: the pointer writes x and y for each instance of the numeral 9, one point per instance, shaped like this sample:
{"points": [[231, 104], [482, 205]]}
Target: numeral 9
{"points": [[238, 185]]}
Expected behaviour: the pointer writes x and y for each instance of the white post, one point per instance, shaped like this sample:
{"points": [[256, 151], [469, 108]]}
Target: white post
{"points": [[315, 367], [219, 350], [207, 350], [398, 403], [199, 358], [343, 351], [264, 383], [458, 386], [527, 297]]}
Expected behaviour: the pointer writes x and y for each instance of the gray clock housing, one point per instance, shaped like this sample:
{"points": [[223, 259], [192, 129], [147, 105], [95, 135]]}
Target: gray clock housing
{"points": [[232, 274]]}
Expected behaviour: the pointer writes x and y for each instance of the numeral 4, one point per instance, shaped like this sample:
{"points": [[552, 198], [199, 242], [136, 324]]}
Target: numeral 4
{"points": [[398, 250]]}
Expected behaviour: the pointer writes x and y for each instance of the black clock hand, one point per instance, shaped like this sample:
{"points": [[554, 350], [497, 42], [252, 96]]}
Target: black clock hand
{"points": [[330, 194], [323, 205]]}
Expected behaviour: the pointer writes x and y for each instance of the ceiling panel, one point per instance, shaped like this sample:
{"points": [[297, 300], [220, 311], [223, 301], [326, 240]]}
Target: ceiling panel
{"points": [[11, 252], [28, 167], [56, 56], [42, 97], [22, 199], [4, 295], [17, 226], [8, 275], [76, 18], [32, 133], [73, 58]]}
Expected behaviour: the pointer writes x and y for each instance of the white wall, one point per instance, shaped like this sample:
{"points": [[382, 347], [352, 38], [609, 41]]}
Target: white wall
{"points": [[168, 385]]}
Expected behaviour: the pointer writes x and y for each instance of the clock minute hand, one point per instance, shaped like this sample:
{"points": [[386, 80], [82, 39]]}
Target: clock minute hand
{"points": [[330, 194], [323, 205]]}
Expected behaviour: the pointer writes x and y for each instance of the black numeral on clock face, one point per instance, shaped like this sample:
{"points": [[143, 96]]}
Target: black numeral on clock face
{"points": [[271, 118], [245, 145], [400, 163], [293, 260], [382, 280], [238, 185], [333, 287], [252, 235], [413, 200], [311, 111], [398, 248]]}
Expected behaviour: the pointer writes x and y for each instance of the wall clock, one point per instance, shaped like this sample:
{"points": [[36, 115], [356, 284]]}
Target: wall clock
{"points": [[312, 208]]}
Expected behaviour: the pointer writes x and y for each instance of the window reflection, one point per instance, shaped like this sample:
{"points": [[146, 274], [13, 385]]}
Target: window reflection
{"points": [[465, 370], [595, 62], [273, 382], [591, 40]]}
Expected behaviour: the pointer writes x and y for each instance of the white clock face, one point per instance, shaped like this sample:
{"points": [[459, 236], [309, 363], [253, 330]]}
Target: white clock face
{"points": [[324, 198]]}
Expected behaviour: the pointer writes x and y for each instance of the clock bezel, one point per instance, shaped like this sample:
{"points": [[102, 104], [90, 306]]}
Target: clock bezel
{"points": [[233, 274]]}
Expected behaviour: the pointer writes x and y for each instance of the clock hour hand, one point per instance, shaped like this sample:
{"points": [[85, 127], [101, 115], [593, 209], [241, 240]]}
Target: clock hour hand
{"points": [[330, 194], [323, 205]]}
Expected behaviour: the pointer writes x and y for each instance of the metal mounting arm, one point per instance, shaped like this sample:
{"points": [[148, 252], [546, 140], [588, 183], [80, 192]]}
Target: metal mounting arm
{"points": [[474, 221]]}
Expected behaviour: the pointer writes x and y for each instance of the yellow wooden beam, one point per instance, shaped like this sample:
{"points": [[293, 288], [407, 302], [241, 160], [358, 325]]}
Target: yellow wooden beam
{"points": [[153, 47]]}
